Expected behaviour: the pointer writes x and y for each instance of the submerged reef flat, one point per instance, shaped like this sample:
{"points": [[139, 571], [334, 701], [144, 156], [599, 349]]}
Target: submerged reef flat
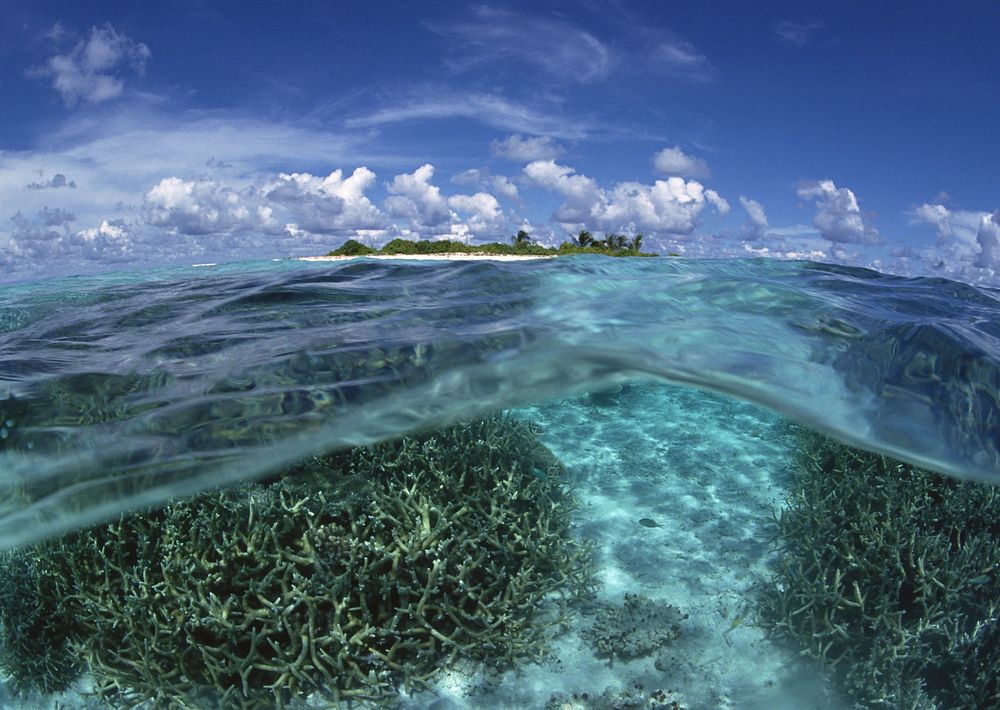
{"points": [[891, 576], [349, 577]]}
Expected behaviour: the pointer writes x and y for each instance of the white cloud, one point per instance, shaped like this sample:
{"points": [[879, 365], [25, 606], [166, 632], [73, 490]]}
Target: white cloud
{"points": [[506, 38], [755, 211], [488, 109], [203, 207], [681, 54], [939, 216], [988, 238], [519, 149], [582, 194], [329, 205], [412, 196], [717, 201], [680, 59], [482, 205], [112, 239], [499, 184], [674, 161], [670, 206], [503, 186], [58, 180], [838, 216], [796, 33], [92, 70], [960, 228], [472, 176]]}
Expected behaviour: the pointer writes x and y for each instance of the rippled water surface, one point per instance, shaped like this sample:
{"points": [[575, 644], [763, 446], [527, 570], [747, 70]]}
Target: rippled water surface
{"points": [[123, 390]]}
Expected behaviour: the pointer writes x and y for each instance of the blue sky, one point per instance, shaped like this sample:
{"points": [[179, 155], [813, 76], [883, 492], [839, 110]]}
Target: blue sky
{"points": [[134, 134]]}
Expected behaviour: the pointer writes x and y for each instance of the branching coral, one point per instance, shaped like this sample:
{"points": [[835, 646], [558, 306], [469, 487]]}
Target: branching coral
{"points": [[346, 577], [892, 576]]}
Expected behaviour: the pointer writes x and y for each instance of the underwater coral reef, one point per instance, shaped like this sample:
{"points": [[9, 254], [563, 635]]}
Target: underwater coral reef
{"points": [[891, 575], [348, 577]]}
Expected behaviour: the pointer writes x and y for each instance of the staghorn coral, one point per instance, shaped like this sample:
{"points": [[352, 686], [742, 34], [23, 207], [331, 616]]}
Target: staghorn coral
{"points": [[33, 649], [346, 577], [891, 575]]}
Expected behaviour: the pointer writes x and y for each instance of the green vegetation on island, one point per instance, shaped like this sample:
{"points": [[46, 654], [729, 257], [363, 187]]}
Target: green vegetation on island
{"points": [[521, 244], [891, 576], [350, 575]]}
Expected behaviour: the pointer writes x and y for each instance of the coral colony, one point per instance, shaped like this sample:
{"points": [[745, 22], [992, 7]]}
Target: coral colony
{"points": [[891, 575], [347, 577]]}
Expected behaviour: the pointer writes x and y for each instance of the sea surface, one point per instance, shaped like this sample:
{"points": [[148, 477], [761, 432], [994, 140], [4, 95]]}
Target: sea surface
{"points": [[673, 391], [128, 389]]}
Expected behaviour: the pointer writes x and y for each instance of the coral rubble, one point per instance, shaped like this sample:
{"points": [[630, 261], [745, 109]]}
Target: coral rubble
{"points": [[349, 576], [636, 628]]}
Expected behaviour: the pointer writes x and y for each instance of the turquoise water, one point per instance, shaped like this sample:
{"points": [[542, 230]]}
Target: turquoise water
{"points": [[129, 389], [671, 390]]}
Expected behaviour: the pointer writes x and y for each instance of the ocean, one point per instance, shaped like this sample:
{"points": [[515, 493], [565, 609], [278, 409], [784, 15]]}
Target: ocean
{"points": [[673, 394]]}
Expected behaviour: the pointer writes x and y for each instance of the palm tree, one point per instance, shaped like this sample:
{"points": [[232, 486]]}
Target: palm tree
{"points": [[583, 239], [614, 242], [522, 238], [637, 243]]}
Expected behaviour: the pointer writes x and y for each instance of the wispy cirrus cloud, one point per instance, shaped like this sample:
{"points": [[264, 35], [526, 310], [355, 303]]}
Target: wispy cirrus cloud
{"points": [[798, 34], [505, 38], [489, 109], [681, 59]]}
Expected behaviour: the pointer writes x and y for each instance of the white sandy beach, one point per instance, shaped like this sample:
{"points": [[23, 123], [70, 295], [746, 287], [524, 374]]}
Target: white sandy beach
{"points": [[455, 256]]}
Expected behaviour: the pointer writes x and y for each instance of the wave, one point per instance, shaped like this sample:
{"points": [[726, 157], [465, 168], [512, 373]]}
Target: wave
{"points": [[126, 390]]}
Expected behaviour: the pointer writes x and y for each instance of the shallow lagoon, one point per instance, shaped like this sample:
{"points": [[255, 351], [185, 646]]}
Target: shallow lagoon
{"points": [[132, 390]]}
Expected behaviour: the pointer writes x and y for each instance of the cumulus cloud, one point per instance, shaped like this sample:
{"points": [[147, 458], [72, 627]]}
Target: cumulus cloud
{"points": [[757, 217], [506, 38], [499, 184], [203, 207], [327, 205], [503, 186], [717, 201], [412, 196], [838, 216], [755, 212], [113, 239], [671, 206], [92, 71], [41, 236], [939, 216], [988, 238], [674, 161], [519, 149], [58, 180]]}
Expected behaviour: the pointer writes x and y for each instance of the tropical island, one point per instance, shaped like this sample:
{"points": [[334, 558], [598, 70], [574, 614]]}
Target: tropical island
{"points": [[521, 246]]}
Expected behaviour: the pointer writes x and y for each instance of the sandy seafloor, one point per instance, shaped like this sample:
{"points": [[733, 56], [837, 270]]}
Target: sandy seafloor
{"points": [[711, 472]]}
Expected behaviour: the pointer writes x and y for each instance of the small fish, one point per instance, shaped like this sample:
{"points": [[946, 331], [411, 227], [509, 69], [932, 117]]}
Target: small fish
{"points": [[539, 474], [649, 523]]}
